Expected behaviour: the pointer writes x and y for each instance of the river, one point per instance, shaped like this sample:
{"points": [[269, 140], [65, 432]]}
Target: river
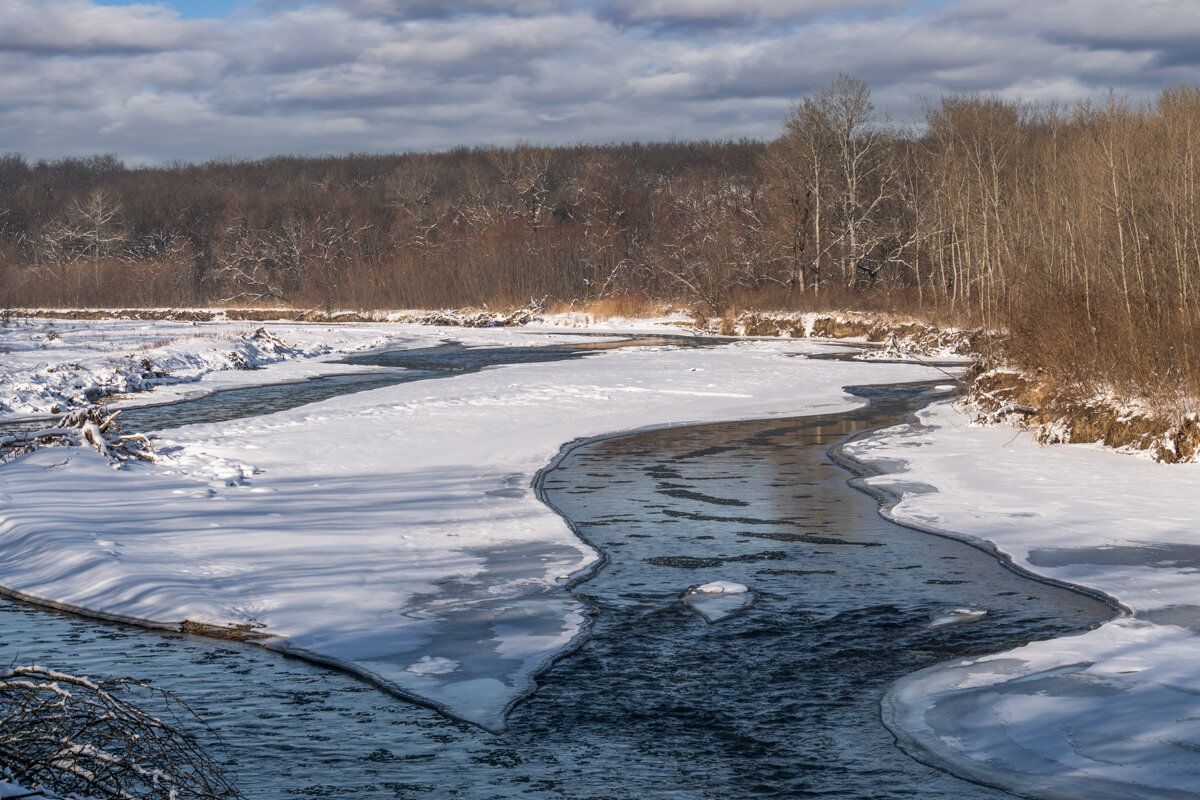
{"points": [[778, 699]]}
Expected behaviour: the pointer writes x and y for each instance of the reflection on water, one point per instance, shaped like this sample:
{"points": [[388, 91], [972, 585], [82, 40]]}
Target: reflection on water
{"points": [[778, 699]]}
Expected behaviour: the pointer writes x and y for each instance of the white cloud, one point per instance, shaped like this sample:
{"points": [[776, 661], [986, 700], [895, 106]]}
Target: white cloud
{"points": [[732, 11], [79, 26], [416, 9], [311, 77]]}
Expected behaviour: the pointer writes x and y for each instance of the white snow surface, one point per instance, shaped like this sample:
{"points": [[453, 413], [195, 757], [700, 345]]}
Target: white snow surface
{"points": [[393, 532], [47, 363], [1112, 713]]}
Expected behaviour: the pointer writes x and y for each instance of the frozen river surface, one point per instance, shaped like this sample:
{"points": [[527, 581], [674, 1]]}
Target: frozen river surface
{"points": [[778, 699]]}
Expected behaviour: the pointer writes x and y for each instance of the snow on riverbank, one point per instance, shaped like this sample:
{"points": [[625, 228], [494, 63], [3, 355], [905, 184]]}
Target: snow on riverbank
{"points": [[1113, 713], [49, 364], [394, 531]]}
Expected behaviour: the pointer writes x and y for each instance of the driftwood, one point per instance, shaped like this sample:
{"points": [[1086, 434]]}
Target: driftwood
{"points": [[472, 318], [894, 348], [991, 409], [261, 334], [90, 427], [98, 738]]}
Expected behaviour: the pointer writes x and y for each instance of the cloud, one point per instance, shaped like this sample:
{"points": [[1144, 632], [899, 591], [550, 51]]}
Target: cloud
{"points": [[502, 46], [437, 9], [684, 12], [81, 27], [368, 75], [1168, 31]]}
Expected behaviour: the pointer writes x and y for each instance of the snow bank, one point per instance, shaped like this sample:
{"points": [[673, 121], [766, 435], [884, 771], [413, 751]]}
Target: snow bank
{"points": [[395, 531], [48, 366], [1111, 713]]}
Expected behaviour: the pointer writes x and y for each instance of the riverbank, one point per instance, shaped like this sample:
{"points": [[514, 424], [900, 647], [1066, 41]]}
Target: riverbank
{"points": [[1112, 713], [1164, 429], [59, 359]]}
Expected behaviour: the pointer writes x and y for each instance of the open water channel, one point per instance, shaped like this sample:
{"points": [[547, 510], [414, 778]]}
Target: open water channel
{"points": [[777, 700]]}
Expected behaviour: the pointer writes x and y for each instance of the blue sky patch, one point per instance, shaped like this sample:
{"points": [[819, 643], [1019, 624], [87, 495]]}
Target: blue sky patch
{"points": [[189, 9]]}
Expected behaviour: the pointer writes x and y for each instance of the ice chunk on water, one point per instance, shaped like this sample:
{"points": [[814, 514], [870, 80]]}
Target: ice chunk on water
{"points": [[719, 599], [721, 587], [433, 665], [956, 616]]}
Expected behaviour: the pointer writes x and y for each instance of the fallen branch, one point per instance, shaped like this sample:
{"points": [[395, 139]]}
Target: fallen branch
{"points": [[263, 335], [85, 427], [95, 738], [1014, 408], [468, 318]]}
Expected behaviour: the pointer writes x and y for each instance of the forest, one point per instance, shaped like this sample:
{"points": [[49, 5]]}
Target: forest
{"points": [[1074, 229]]}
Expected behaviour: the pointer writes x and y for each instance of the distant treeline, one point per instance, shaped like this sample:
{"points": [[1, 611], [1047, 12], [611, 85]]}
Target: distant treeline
{"points": [[1077, 228]]}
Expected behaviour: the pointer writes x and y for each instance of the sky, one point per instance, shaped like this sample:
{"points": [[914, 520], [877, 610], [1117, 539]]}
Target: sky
{"points": [[192, 80]]}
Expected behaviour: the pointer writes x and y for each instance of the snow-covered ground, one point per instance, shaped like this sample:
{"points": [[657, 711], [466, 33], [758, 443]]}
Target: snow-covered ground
{"points": [[393, 531], [49, 365], [1113, 713]]}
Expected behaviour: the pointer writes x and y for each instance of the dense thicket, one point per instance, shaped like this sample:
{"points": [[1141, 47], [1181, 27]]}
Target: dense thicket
{"points": [[416, 230], [1076, 228]]}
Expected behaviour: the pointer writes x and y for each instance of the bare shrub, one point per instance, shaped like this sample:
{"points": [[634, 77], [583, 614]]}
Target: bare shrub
{"points": [[95, 738]]}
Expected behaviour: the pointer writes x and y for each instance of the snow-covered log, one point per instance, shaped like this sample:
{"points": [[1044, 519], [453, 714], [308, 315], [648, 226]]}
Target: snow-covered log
{"points": [[473, 318], [90, 427], [261, 334]]}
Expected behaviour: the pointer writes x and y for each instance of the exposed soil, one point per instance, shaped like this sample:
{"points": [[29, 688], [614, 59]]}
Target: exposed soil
{"points": [[236, 633], [1060, 415]]}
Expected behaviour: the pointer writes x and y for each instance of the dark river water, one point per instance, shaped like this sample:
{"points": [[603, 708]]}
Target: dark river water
{"points": [[778, 700]]}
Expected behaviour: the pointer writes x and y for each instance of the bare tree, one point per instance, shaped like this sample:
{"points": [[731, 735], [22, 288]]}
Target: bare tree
{"points": [[716, 246], [271, 263], [90, 230], [412, 194], [799, 166], [525, 176], [837, 170], [864, 175]]}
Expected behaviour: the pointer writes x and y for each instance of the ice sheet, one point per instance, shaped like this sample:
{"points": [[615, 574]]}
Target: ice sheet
{"points": [[1112, 713]]}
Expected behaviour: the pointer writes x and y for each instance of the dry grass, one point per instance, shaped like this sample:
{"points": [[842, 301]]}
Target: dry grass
{"points": [[1102, 352], [622, 306]]}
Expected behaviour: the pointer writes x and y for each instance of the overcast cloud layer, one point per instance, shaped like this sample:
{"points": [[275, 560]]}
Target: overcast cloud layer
{"points": [[150, 84]]}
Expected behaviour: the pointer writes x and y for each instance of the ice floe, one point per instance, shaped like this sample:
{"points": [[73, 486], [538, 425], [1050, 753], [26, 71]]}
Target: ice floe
{"points": [[717, 600], [956, 616]]}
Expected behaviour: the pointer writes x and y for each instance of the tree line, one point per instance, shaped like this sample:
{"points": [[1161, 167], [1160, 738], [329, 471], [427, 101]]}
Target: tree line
{"points": [[1075, 227]]}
